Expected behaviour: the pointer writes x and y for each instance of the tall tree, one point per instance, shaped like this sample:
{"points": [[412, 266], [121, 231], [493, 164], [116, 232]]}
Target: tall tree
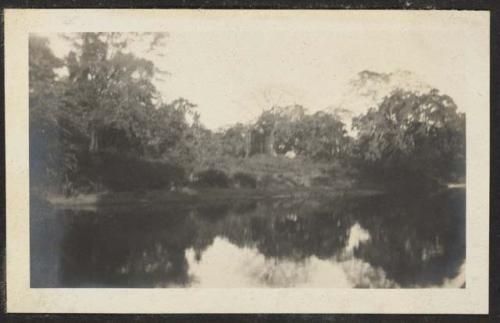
{"points": [[234, 140], [170, 125], [108, 86], [275, 123], [322, 137], [318, 136], [417, 132], [52, 133]]}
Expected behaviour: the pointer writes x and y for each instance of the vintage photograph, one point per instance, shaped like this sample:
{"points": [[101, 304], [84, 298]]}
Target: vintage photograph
{"points": [[330, 158], [247, 161]]}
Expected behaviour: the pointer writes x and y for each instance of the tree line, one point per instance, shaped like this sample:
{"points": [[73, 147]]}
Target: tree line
{"points": [[100, 100]]}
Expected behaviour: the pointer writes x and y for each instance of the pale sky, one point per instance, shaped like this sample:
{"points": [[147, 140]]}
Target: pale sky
{"points": [[234, 68]]}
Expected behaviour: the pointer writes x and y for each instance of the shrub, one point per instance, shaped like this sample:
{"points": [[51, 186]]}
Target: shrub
{"points": [[245, 180], [276, 182], [212, 178], [119, 172]]}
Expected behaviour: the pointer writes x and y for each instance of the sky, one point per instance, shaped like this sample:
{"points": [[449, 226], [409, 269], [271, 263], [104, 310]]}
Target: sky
{"points": [[236, 67]]}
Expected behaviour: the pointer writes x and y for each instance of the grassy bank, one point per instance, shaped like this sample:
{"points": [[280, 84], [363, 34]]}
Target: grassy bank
{"points": [[108, 172], [275, 172], [109, 179]]}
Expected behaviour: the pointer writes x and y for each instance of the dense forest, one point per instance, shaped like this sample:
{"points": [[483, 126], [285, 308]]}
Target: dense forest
{"points": [[98, 123]]}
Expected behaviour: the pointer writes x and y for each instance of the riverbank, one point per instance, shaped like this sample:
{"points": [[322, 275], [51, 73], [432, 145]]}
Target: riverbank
{"points": [[188, 196], [228, 178]]}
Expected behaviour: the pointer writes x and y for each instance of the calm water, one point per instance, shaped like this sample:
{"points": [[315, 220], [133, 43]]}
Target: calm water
{"points": [[382, 241]]}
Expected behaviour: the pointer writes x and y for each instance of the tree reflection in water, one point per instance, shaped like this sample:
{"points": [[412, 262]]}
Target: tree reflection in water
{"points": [[365, 242]]}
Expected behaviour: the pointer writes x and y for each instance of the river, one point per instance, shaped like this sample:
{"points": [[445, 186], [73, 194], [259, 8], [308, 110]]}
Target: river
{"points": [[379, 241]]}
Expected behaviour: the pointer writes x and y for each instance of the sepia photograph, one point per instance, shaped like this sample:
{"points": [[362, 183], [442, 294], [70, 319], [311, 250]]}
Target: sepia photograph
{"points": [[255, 150]]}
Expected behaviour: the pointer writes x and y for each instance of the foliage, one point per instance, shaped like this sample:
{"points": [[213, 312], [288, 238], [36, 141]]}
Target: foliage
{"points": [[234, 141], [108, 87], [122, 172], [243, 179], [101, 101], [54, 138], [320, 136], [420, 133], [169, 126], [212, 178]]}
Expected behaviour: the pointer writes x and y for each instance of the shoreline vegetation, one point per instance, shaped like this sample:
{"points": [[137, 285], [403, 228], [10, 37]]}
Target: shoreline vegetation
{"points": [[101, 131], [104, 199], [192, 196]]}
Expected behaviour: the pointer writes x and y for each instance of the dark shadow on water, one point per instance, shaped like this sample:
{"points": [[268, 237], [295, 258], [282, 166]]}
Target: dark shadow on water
{"points": [[414, 241]]}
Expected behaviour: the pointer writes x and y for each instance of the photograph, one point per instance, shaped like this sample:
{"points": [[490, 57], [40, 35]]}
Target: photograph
{"points": [[264, 150]]}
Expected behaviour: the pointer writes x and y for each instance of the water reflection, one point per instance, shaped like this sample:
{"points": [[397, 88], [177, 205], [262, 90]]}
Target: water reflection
{"points": [[245, 267], [365, 242]]}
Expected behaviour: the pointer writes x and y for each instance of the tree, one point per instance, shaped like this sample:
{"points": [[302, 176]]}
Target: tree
{"points": [[43, 85], [274, 123], [420, 133], [54, 137], [321, 136], [233, 140], [168, 126], [109, 87]]}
